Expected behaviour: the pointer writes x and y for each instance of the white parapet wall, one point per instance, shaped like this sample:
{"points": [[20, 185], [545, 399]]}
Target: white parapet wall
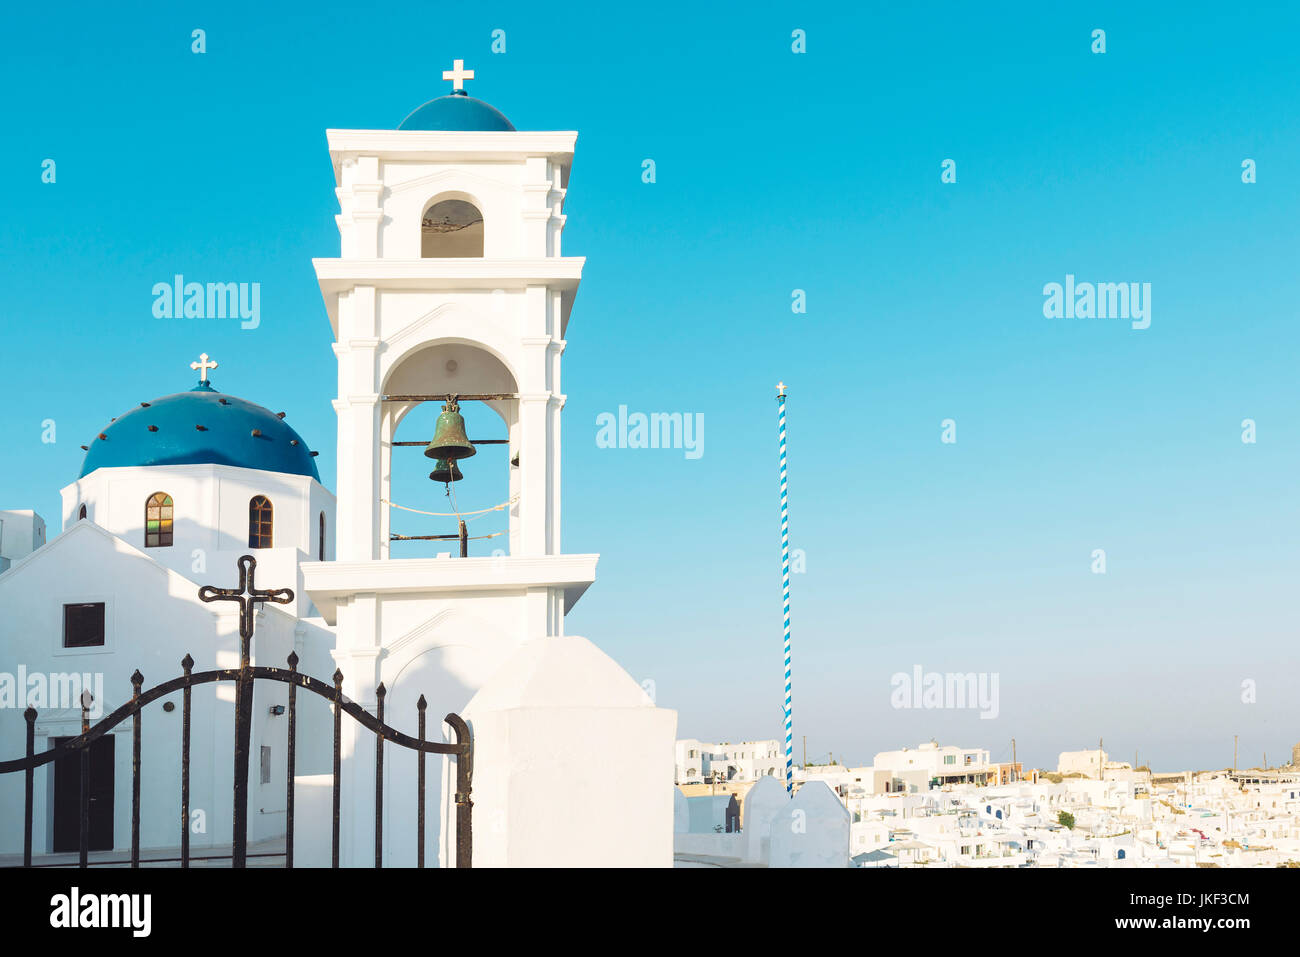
{"points": [[766, 802], [814, 831], [313, 820], [573, 763]]}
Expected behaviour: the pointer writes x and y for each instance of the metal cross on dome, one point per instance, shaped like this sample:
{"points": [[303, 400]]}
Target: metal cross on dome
{"points": [[458, 74], [202, 366]]}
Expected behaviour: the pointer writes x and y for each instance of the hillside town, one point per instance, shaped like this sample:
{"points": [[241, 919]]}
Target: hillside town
{"points": [[944, 806]]}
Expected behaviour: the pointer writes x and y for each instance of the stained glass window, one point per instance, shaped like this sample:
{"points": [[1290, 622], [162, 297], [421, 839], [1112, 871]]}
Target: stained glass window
{"points": [[158, 521]]}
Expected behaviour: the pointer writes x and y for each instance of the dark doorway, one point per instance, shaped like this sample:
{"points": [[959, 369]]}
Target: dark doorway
{"points": [[67, 797]]}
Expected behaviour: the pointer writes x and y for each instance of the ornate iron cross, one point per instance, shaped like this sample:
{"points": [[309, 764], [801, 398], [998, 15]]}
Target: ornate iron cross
{"points": [[248, 595]]}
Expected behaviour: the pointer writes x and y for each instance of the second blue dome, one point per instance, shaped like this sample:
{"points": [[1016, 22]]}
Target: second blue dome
{"points": [[457, 112]]}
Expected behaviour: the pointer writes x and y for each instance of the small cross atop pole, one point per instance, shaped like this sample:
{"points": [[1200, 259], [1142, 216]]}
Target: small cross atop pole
{"points": [[458, 74], [202, 366], [780, 389]]}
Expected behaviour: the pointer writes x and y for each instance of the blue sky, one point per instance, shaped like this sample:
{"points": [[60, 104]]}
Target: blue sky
{"points": [[775, 172]]}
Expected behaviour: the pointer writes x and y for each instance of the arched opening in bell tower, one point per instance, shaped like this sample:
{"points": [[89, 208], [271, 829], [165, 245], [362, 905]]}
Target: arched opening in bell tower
{"points": [[451, 228], [420, 500]]}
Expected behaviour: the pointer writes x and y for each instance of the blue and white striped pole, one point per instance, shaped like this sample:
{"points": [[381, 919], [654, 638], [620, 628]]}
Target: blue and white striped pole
{"points": [[785, 591]]}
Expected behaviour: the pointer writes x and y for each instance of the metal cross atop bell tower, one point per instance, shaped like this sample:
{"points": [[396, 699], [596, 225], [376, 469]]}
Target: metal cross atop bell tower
{"points": [[458, 74], [202, 366]]}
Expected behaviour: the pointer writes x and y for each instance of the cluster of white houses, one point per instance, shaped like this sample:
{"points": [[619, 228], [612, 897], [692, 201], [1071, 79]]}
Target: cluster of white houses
{"points": [[909, 769], [704, 762], [912, 808], [1214, 818]]}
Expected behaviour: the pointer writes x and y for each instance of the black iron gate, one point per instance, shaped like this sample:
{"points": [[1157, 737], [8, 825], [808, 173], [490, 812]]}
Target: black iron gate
{"points": [[244, 677]]}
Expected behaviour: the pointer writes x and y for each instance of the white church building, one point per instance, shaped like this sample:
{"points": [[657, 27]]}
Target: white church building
{"points": [[450, 282]]}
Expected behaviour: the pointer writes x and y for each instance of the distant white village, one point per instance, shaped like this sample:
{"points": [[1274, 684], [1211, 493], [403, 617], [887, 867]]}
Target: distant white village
{"points": [[943, 806]]}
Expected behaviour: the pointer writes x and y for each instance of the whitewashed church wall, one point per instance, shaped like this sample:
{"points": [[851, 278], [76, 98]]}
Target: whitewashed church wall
{"points": [[320, 500], [152, 619], [495, 188], [556, 806], [210, 506], [407, 321], [458, 618]]}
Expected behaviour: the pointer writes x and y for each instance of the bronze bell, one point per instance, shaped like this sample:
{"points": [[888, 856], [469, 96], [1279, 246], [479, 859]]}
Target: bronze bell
{"points": [[449, 441], [446, 471]]}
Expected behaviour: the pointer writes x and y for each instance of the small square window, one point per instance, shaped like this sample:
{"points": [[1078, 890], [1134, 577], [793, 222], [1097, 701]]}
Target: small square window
{"points": [[83, 625]]}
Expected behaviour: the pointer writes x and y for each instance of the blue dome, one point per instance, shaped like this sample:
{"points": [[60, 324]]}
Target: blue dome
{"points": [[201, 427], [457, 111]]}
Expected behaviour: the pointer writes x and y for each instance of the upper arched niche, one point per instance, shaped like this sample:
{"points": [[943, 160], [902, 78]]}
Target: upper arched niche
{"points": [[451, 368], [451, 228]]}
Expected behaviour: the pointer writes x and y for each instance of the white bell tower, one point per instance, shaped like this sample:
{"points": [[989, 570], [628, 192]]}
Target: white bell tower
{"points": [[450, 281]]}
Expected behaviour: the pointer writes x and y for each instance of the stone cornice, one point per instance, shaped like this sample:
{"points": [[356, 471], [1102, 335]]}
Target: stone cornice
{"points": [[455, 146], [338, 276], [562, 272], [330, 583]]}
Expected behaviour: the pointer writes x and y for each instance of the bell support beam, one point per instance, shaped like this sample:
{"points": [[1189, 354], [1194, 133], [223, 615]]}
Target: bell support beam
{"points": [[472, 442], [442, 397]]}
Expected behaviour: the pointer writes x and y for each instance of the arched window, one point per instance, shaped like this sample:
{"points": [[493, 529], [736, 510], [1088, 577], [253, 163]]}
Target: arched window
{"points": [[322, 536], [260, 524], [158, 521], [82, 512], [451, 229]]}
